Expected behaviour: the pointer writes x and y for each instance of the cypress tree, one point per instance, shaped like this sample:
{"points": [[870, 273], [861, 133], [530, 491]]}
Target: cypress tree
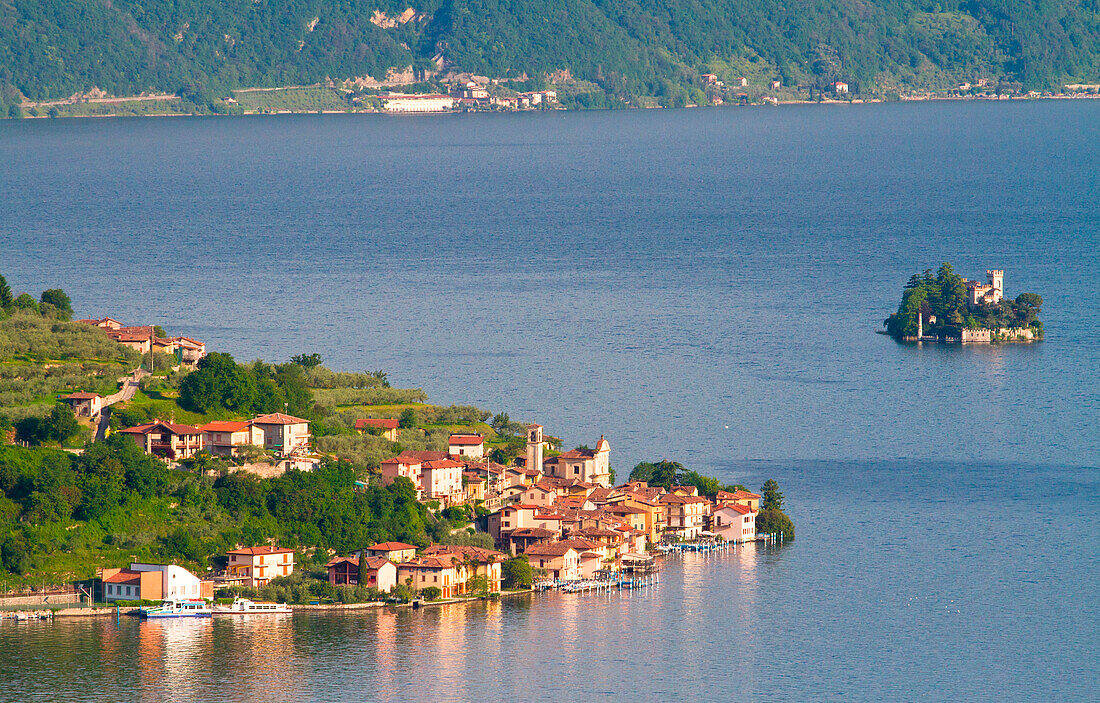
{"points": [[5, 294]]}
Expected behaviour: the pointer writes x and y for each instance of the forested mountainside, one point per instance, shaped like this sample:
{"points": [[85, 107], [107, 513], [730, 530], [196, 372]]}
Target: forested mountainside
{"points": [[628, 48]]}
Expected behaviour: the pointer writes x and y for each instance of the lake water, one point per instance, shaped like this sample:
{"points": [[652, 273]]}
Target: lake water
{"points": [[699, 285]]}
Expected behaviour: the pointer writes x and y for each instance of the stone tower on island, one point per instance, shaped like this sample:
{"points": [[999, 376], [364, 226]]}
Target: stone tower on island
{"points": [[989, 293]]}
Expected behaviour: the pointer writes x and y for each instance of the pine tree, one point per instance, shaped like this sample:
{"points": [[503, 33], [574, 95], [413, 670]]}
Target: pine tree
{"points": [[772, 498], [5, 294]]}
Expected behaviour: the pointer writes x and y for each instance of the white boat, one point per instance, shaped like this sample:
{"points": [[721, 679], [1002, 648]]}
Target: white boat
{"points": [[188, 608], [244, 606]]}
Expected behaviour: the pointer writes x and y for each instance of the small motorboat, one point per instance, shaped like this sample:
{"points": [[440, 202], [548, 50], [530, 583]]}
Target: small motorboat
{"points": [[188, 608], [244, 606]]}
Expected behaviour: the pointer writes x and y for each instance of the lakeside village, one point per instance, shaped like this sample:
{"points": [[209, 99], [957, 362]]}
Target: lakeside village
{"points": [[574, 530], [529, 518]]}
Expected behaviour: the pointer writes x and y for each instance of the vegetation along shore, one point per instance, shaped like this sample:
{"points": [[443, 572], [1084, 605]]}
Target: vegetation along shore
{"points": [[137, 467], [167, 57]]}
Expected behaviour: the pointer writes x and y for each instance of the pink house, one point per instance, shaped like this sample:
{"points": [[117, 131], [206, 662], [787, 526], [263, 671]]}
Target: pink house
{"points": [[734, 522], [559, 561], [511, 517]]}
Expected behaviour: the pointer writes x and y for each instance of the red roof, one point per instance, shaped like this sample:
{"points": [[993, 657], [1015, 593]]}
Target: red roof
{"points": [[390, 547], [81, 395], [224, 426], [743, 509], [384, 423], [519, 506], [537, 532], [264, 549], [142, 332], [466, 439], [577, 454], [124, 576], [419, 456], [442, 464], [188, 341], [549, 550], [171, 427], [278, 419]]}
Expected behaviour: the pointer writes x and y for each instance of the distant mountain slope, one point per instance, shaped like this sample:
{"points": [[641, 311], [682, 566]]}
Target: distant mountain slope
{"points": [[53, 48]]}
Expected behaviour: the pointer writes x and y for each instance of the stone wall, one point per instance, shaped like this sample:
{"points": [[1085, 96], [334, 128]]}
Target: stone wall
{"points": [[1003, 334], [48, 600]]}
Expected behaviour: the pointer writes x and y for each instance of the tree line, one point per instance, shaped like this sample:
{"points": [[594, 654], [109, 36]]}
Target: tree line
{"points": [[200, 50], [114, 496]]}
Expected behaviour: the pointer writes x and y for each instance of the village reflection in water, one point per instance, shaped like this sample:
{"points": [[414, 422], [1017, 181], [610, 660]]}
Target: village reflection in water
{"points": [[449, 652]]}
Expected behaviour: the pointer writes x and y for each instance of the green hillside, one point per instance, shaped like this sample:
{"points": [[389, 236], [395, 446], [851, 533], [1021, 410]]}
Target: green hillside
{"points": [[628, 48]]}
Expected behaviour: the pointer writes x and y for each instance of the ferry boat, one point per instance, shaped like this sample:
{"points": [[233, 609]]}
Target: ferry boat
{"points": [[189, 608], [244, 606]]}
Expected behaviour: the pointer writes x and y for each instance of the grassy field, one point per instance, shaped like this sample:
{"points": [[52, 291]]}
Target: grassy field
{"points": [[124, 108], [42, 358], [305, 99]]}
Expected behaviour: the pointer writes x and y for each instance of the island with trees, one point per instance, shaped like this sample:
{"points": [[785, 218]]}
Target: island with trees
{"points": [[945, 307]]}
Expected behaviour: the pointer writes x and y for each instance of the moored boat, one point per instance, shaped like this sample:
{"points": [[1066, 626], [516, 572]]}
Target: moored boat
{"points": [[244, 606], [187, 608]]}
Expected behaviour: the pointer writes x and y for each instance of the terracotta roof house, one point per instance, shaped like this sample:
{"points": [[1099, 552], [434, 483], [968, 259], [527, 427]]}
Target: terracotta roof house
{"points": [[441, 479], [466, 445], [734, 522], [152, 582], [521, 539], [190, 351], [388, 428], [167, 440], [685, 515], [226, 437], [396, 552], [84, 404], [559, 561], [381, 573], [255, 566], [283, 434]]}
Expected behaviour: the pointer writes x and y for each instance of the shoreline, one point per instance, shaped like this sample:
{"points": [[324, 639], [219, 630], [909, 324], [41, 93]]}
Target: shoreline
{"points": [[107, 611], [763, 103]]}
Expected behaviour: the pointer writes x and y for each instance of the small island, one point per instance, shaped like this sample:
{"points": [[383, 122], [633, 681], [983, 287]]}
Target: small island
{"points": [[945, 307]]}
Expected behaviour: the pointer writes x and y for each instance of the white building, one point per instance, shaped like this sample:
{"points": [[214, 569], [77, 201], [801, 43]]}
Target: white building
{"points": [[467, 445], [432, 102], [153, 582]]}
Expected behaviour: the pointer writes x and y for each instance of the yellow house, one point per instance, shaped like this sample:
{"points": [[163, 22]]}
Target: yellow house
{"points": [[686, 515], [739, 497], [396, 552], [655, 520], [389, 427], [258, 565]]}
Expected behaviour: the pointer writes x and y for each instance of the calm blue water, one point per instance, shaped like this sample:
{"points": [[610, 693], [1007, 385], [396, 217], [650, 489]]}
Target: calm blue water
{"points": [[653, 276], [699, 285]]}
